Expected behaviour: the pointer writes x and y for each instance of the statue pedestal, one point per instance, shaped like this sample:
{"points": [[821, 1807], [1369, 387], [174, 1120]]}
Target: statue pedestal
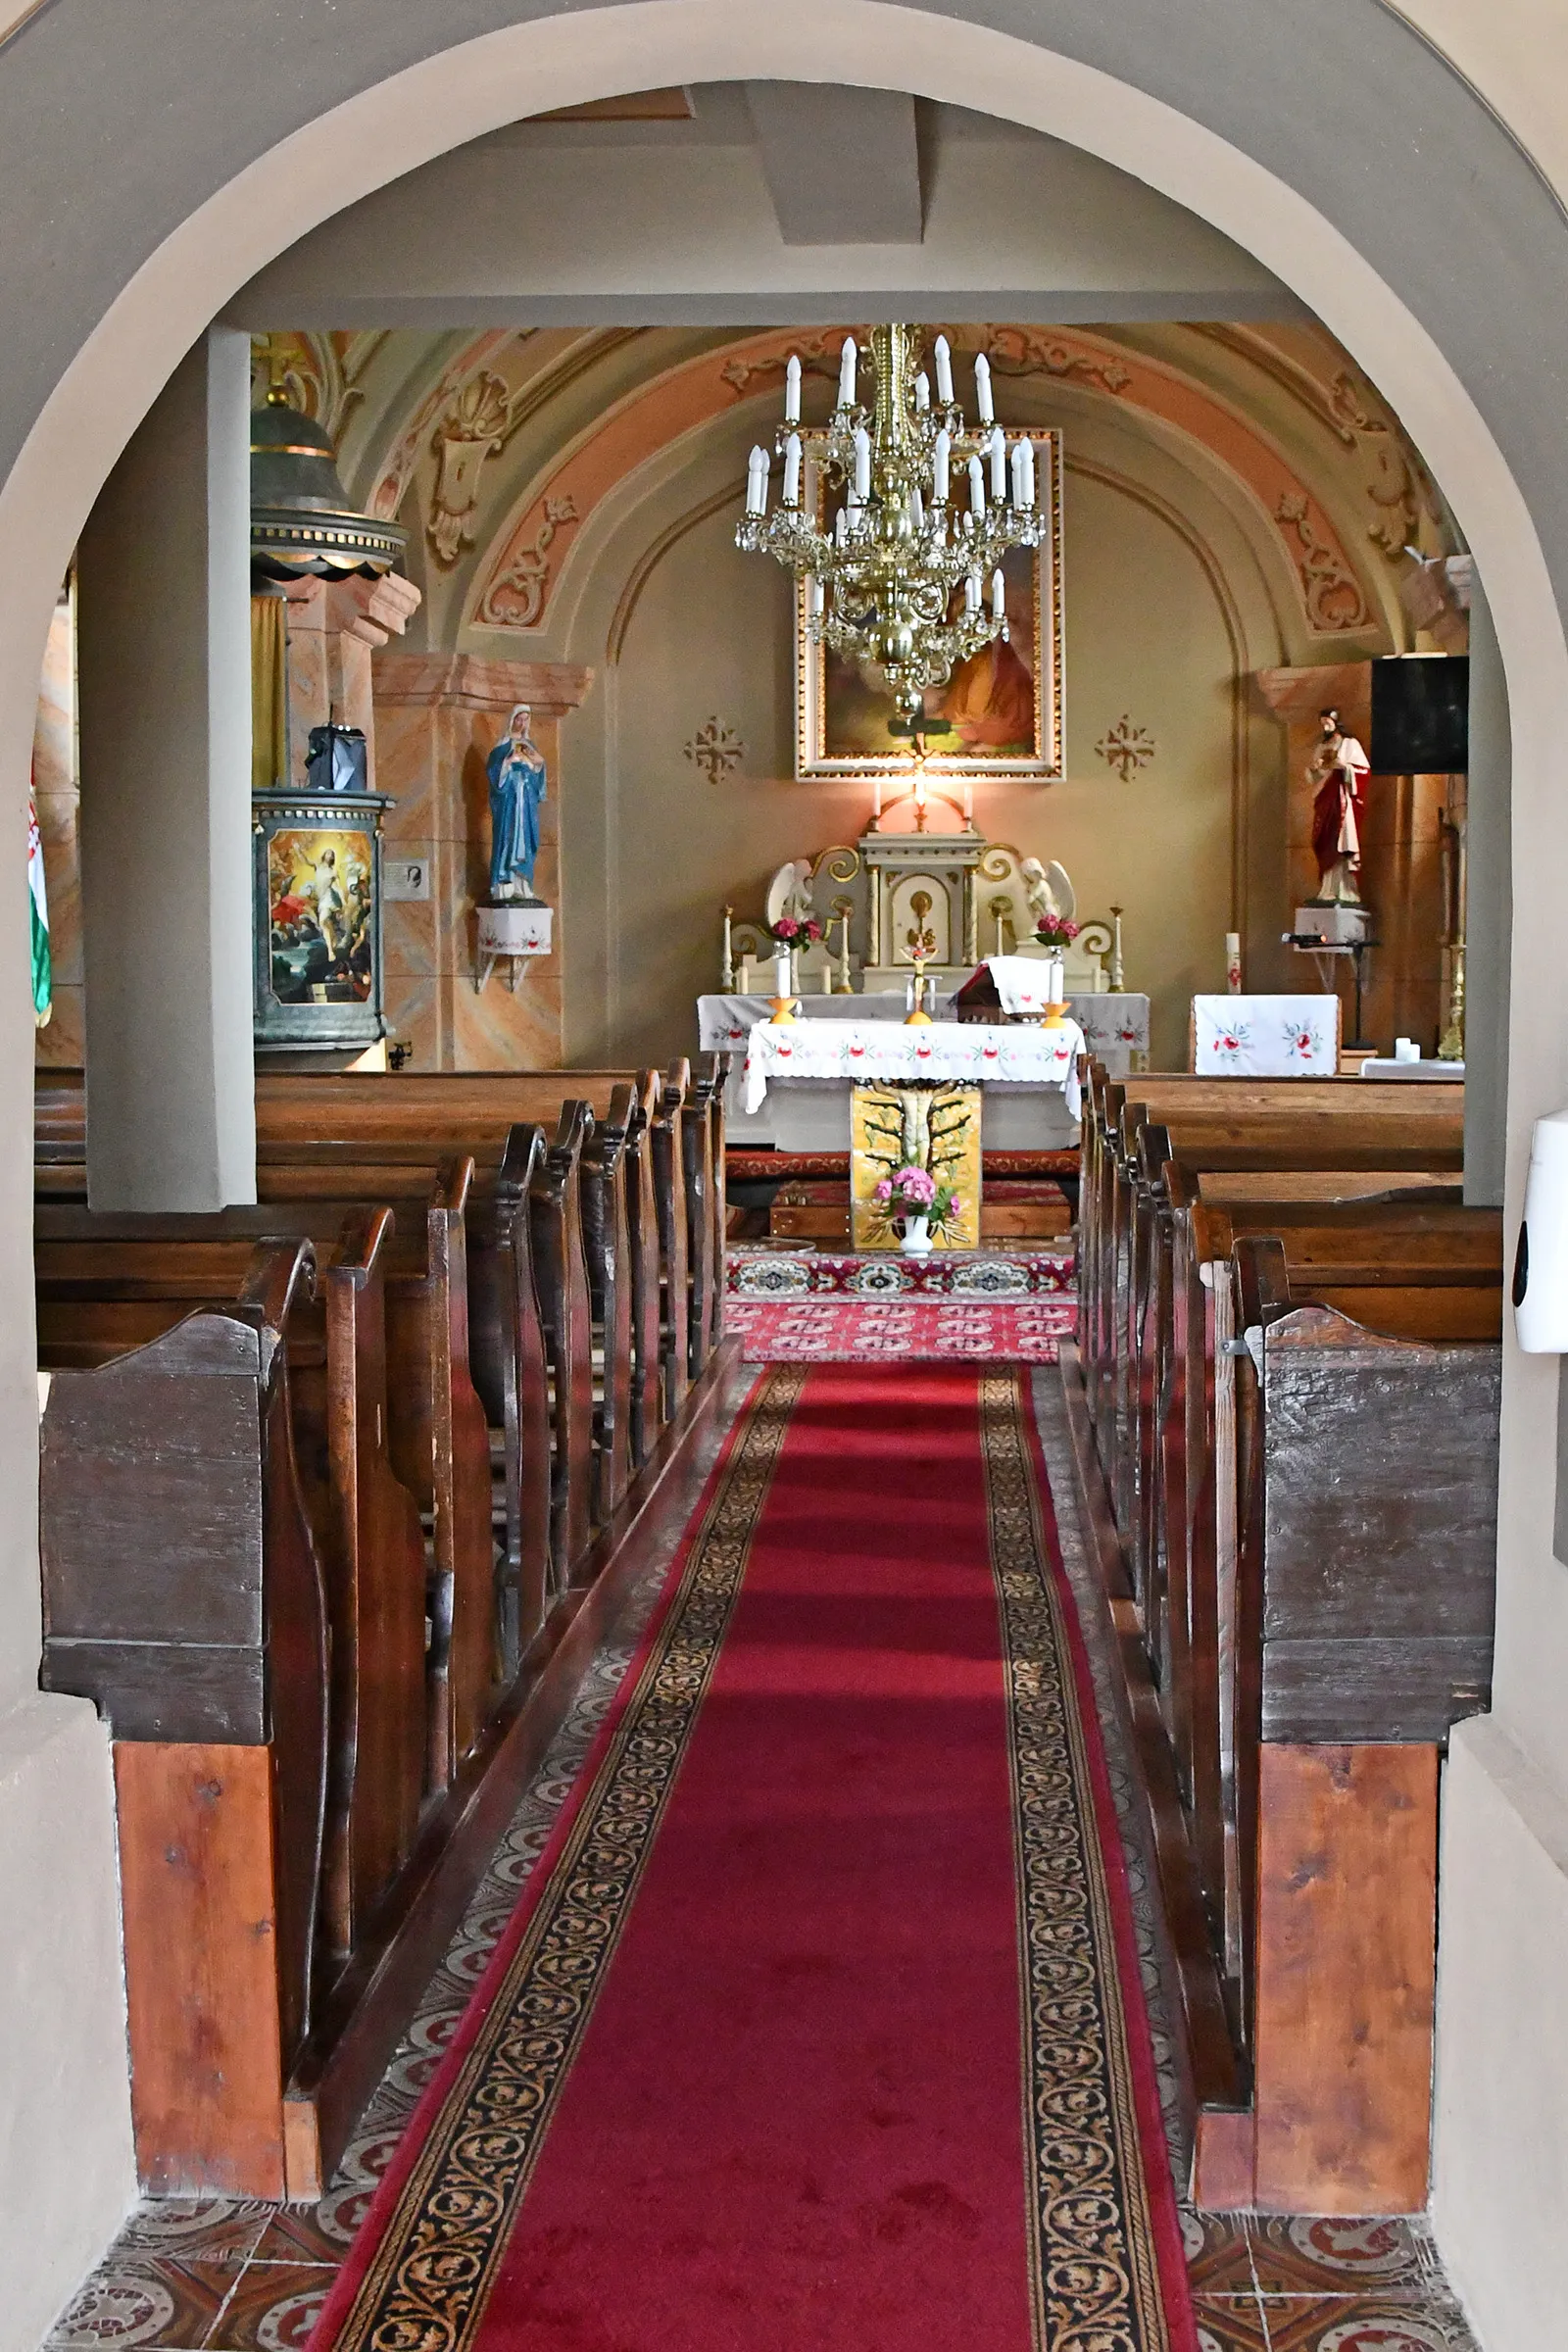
{"points": [[509, 931]]}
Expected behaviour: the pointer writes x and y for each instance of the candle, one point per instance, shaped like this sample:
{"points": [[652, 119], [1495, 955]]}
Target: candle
{"points": [[792, 471], [971, 593], [757, 482], [792, 391], [942, 357], [922, 392], [1023, 488], [916, 508], [982, 388], [999, 594], [1027, 449], [876, 801], [977, 487], [727, 979], [998, 466], [862, 464], [815, 597], [969, 804], [781, 974], [1233, 962], [847, 359], [941, 457]]}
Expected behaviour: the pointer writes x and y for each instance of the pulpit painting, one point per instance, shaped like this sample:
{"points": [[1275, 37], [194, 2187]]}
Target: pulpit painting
{"points": [[999, 713], [320, 893], [932, 1127]]}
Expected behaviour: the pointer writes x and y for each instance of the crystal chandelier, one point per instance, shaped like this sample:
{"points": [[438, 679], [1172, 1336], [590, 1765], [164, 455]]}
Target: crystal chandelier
{"points": [[908, 576]]}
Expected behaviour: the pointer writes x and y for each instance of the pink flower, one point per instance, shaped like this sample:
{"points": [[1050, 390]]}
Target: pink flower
{"points": [[882, 1191]]}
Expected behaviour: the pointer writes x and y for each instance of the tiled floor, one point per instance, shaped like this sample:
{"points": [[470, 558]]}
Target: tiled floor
{"points": [[225, 2276]]}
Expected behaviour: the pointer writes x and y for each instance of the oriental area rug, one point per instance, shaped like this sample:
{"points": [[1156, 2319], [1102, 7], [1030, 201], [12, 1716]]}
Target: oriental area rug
{"points": [[819, 2026]]}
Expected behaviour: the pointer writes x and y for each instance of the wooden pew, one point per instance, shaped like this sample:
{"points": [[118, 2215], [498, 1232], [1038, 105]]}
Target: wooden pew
{"points": [[98, 1299], [183, 1594], [437, 1437]]}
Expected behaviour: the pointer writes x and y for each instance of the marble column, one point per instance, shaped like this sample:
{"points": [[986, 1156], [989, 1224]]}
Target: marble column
{"points": [[164, 716], [437, 718]]}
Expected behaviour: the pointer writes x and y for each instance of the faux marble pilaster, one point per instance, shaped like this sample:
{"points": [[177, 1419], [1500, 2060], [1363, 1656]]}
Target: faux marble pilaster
{"points": [[437, 719]]}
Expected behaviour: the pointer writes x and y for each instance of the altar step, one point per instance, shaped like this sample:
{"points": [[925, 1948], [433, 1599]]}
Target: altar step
{"points": [[764, 1271]]}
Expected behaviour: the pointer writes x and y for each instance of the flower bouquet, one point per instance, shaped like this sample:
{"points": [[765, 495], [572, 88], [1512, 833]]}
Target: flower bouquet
{"points": [[920, 1199], [789, 935], [1055, 931]]}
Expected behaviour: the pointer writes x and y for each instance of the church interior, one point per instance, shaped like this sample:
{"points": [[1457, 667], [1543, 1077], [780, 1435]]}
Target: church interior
{"points": [[771, 1027]]}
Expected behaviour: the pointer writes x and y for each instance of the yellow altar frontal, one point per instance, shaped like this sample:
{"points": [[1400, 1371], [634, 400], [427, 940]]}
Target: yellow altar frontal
{"points": [[933, 1125]]}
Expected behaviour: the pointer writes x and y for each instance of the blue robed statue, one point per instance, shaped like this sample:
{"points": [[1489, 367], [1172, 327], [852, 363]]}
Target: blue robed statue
{"points": [[516, 772]]}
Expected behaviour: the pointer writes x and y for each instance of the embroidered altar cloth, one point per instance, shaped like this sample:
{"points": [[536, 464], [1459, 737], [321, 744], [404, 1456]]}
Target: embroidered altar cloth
{"points": [[963, 1053], [1266, 1036]]}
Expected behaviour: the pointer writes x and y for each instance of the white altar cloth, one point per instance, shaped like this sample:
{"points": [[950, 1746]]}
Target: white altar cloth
{"points": [[1266, 1036], [968, 1054]]}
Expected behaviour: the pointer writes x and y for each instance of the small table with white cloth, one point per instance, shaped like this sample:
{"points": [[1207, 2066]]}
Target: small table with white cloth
{"points": [[805, 1071]]}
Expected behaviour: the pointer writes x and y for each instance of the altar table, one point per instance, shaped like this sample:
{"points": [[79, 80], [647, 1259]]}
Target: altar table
{"points": [[805, 1071]]}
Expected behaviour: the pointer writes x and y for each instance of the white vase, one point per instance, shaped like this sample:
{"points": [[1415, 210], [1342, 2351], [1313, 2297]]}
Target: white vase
{"points": [[917, 1241]]}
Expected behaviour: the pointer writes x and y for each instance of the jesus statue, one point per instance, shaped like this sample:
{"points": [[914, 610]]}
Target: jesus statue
{"points": [[516, 772], [1336, 768]]}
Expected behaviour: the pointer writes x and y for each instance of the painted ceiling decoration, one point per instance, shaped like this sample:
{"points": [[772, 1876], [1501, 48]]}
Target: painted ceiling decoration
{"points": [[1319, 456]]}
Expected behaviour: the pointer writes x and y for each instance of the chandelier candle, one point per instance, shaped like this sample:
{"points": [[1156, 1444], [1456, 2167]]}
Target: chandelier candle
{"points": [[887, 562]]}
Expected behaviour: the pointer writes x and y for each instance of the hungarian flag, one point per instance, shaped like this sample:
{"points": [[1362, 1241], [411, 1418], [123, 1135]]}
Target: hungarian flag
{"points": [[43, 983]]}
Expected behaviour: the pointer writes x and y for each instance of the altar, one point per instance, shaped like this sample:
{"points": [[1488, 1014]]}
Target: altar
{"points": [[806, 1071]]}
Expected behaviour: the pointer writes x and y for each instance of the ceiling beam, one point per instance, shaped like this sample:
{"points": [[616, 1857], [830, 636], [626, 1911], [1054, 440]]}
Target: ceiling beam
{"points": [[842, 166]]}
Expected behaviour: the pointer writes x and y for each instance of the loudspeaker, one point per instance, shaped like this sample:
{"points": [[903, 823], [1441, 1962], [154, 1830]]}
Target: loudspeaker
{"points": [[1421, 715]]}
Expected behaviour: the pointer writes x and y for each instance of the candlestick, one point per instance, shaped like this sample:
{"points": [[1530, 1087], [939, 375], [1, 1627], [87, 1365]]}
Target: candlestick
{"points": [[862, 464], [941, 459], [792, 471], [1117, 975], [757, 482], [846, 985], [982, 389], [846, 360], [726, 979], [792, 391], [998, 466], [941, 357], [977, 487], [922, 392]]}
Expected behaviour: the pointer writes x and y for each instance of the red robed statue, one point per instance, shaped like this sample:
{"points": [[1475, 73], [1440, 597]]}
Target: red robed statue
{"points": [[1337, 767]]}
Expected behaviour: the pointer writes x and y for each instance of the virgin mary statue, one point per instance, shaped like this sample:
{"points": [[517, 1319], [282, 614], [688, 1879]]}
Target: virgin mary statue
{"points": [[516, 772]]}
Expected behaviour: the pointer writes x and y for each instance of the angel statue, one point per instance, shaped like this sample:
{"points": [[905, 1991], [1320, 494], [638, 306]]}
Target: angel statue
{"points": [[1051, 895], [1335, 771], [516, 772]]}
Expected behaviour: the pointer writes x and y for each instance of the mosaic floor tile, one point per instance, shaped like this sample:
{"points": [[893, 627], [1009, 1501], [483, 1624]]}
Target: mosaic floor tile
{"points": [[203, 2229], [1362, 2323], [1295, 2254], [272, 2309], [1219, 2257], [1230, 2323], [146, 2299]]}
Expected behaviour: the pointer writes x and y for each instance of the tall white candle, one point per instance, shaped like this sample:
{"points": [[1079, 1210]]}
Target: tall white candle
{"points": [[941, 459], [977, 487], [971, 592], [943, 358], [998, 466], [1233, 962], [1020, 460], [846, 360], [841, 527], [922, 392], [999, 594], [792, 471], [876, 799], [1027, 449], [792, 390], [862, 464], [916, 508], [815, 597], [757, 482], [982, 388], [969, 804]]}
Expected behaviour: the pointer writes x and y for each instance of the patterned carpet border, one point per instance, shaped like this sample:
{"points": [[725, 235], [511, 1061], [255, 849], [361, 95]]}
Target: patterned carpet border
{"points": [[431, 2245], [853, 1331], [766, 1167], [1109, 2268], [785, 1274]]}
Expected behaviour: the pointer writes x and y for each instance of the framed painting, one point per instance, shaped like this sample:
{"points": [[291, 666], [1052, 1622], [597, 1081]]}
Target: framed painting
{"points": [[1001, 709]]}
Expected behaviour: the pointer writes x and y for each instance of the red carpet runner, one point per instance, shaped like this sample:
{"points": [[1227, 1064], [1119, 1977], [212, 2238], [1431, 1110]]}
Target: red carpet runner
{"points": [[749, 2070]]}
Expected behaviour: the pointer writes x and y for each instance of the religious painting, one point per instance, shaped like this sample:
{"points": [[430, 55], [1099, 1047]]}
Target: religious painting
{"points": [[936, 1128], [321, 914], [1000, 713]]}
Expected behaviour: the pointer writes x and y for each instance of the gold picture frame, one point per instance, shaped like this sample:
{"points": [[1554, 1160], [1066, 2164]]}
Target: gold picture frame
{"points": [[840, 718]]}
